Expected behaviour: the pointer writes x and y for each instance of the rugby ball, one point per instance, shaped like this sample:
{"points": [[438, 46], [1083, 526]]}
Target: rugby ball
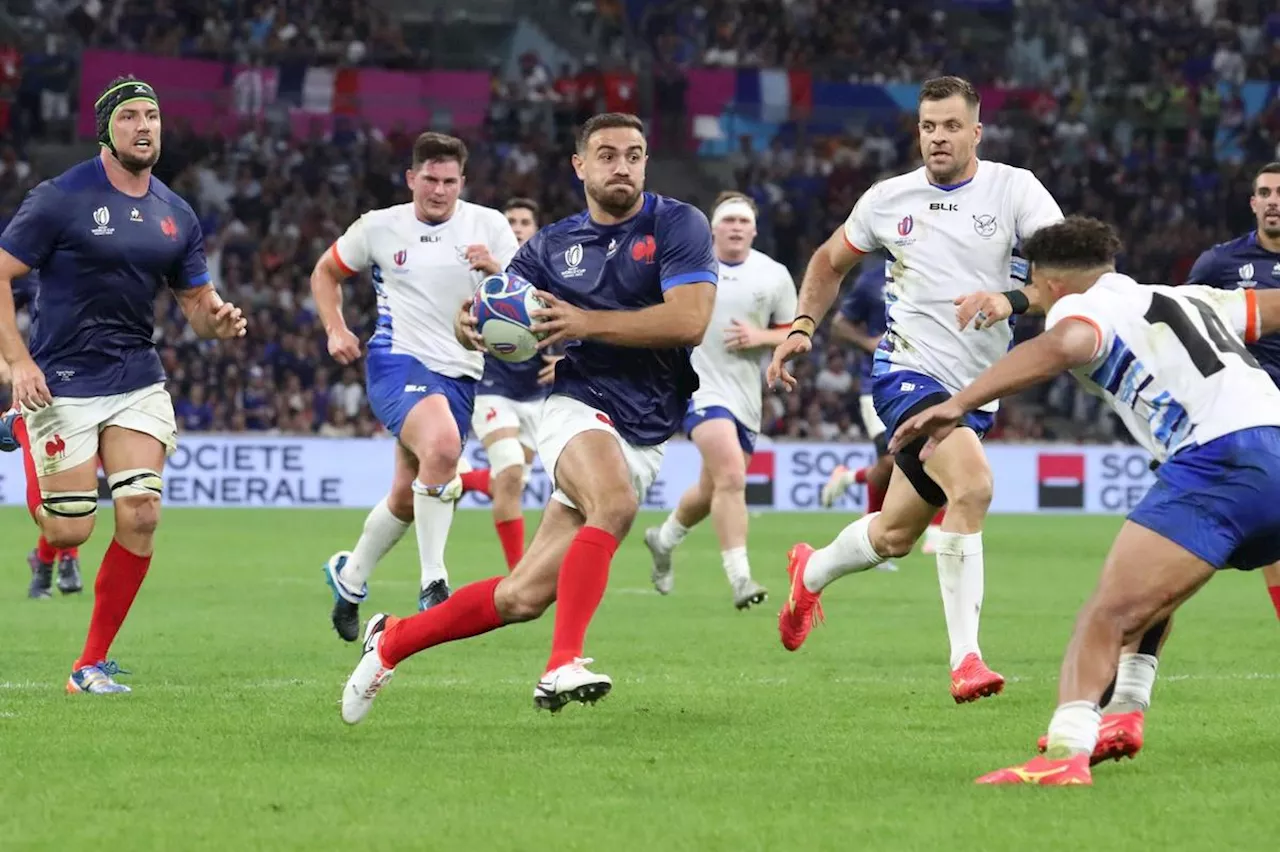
{"points": [[503, 310]]}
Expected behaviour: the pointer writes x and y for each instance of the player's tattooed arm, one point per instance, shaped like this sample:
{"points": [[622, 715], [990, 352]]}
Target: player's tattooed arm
{"points": [[681, 320], [211, 317], [1073, 342]]}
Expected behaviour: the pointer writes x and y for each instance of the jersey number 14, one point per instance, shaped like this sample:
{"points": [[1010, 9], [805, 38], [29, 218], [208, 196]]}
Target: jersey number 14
{"points": [[1165, 311]]}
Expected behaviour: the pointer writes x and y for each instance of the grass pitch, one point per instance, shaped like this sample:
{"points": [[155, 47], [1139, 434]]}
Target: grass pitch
{"points": [[714, 737]]}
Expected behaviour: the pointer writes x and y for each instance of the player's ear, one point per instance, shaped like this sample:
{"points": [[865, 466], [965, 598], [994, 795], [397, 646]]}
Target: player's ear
{"points": [[409, 175], [578, 165]]}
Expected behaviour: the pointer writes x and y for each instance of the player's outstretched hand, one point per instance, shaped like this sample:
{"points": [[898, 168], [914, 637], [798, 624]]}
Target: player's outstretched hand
{"points": [[547, 374], [793, 346], [29, 387], [560, 321], [465, 328], [229, 322], [739, 335], [344, 347], [937, 423], [983, 309], [482, 260]]}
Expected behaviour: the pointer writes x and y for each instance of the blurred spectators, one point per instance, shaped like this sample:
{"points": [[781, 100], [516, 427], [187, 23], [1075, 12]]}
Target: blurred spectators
{"points": [[1156, 140]]}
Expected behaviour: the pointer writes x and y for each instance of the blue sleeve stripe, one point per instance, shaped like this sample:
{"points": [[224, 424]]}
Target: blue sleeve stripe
{"points": [[694, 277], [202, 278]]}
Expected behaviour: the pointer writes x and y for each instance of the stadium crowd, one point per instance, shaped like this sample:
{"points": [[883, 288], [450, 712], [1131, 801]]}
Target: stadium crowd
{"points": [[1149, 144]]}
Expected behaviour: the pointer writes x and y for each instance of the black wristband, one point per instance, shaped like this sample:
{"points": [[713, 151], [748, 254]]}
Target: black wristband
{"points": [[800, 331], [1018, 301]]}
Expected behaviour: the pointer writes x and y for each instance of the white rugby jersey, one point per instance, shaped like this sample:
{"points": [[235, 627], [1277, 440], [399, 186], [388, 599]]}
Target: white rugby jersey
{"points": [[421, 275], [1171, 361], [947, 242], [758, 291]]}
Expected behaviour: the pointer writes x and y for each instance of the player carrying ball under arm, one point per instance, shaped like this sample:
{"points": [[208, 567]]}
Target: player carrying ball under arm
{"points": [[630, 284], [425, 257], [505, 419], [1171, 362], [951, 227], [755, 297], [105, 236]]}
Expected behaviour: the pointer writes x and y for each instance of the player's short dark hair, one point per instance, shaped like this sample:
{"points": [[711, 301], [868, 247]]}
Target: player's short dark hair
{"points": [[519, 203], [607, 121], [1268, 169], [941, 88], [1077, 242], [730, 194], [432, 147]]}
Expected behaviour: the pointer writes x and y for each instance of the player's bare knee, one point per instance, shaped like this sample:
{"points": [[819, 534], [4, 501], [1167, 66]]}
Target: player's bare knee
{"points": [[729, 481], [613, 511], [890, 539], [138, 514], [63, 533], [972, 496]]}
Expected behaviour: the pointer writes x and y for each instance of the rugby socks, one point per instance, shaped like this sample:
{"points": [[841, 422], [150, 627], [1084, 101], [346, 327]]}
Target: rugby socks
{"points": [[468, 612], [382, 529], [849, 553], [511, 534], [671, 533], [114, 590], [432, 518], [736, 565], [583, 578], [1135, 678], [1275, 598], [34, 500], [937, 519], [961, 578], [875, 495], [1073, 729], [45, 551], [476, 480]]}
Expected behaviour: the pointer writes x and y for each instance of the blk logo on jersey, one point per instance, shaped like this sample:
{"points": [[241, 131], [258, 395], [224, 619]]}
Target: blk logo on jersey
{"points": [[985, 225], [400, 257], [1061, 480], [644, 250]]}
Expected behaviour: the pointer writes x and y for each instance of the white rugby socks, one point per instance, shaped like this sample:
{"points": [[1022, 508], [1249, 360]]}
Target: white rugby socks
{"points": [[432, 519], [850, 552], [960, 576], [1073, 729], [671, 533], [736, 566], [1135, 678], [382, 530]]}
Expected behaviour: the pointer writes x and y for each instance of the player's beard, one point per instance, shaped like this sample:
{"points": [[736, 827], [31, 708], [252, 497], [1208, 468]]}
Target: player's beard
{"points": [[612, 200], [136, 164]]}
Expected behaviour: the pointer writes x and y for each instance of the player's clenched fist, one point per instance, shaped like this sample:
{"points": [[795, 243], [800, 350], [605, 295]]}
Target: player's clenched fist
{"points": [[983, 309], [793, 346], [29, 387], [344, 347]]}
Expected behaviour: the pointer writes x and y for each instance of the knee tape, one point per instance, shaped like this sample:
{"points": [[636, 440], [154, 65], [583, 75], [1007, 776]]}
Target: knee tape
{"points": [[69, 504], [138, 482], [505, 453]]}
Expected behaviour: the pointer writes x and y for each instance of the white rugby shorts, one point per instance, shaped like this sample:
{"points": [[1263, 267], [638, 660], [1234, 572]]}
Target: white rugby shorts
{"points": [[870, 420], [564, 418], [492, 413], [65, 434]]}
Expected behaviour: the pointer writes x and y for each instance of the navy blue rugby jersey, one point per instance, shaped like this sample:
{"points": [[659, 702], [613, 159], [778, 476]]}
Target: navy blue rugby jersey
{"points": [[627, 266], [102, 256], [1242, 262]]}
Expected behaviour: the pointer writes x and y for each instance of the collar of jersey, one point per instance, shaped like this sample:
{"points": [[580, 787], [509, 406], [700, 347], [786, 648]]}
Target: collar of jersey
{"points": [[951, 187], [605, 229]]}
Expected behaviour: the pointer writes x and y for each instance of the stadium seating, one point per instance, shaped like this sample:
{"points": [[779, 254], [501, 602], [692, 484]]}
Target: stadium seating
{"points": [[279, 152]]}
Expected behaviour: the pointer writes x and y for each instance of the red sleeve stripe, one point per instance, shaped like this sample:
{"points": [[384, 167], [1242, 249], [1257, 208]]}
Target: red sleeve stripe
{"points": [[851, 246], [1097, 330], [333, 249], [1253, 318]]}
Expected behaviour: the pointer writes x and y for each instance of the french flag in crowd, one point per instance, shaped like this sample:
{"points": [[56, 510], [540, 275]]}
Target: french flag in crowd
{"points": [[780, 95]]}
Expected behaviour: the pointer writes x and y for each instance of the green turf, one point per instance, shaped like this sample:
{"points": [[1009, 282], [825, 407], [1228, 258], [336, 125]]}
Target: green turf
{"points": [[714, 737]]}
